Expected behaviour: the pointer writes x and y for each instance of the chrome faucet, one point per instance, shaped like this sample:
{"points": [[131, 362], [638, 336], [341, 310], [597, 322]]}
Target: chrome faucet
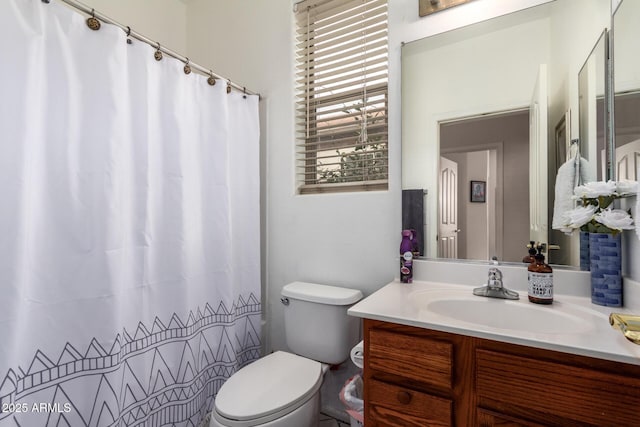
{"points": [[494, 287]]}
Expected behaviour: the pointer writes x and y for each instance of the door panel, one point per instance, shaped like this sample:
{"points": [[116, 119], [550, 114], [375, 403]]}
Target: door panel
{"points": [[628, 161], [448, 209]]}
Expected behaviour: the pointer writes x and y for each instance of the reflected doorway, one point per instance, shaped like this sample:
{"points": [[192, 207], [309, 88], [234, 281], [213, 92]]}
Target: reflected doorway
{"points": [[492, 149], [627, 131]]}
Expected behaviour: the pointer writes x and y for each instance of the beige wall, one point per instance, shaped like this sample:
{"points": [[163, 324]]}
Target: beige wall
{"points": [[511, 133], [164, 21]]}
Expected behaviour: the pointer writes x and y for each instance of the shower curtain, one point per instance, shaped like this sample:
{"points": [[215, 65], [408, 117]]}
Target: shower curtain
{"points": [[129, 228]]}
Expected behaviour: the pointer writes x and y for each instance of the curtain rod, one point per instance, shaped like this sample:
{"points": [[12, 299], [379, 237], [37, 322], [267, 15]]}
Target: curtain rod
{"points": [[131, 33]]}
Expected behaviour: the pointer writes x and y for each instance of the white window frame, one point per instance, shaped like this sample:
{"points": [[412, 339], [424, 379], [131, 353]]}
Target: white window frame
{"points": [[341, 96]]}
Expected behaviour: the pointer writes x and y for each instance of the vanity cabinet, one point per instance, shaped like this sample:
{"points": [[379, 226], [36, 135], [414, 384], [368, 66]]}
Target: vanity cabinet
{"points": [[420, 377]]}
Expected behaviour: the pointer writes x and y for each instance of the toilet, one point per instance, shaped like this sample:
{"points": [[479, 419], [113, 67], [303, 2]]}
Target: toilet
{"points": [[282, 389]]}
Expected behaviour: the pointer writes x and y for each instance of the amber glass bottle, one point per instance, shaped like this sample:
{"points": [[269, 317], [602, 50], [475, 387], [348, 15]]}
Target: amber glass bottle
{"points": [[532, 253], [540, 280]]}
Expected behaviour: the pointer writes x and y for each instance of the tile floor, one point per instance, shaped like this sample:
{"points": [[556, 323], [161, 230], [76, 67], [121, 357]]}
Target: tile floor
{"points": [[327, 421]]}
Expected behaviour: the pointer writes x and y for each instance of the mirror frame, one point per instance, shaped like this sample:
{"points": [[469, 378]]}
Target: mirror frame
{"points": [[608, 102], [605, 18]]}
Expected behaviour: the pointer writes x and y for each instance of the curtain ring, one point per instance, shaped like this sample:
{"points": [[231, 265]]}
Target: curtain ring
{"points": [[228, 86], [211, 80], [186, 68], [92, 22], [158, 54], [129, 41], [244, 92]]}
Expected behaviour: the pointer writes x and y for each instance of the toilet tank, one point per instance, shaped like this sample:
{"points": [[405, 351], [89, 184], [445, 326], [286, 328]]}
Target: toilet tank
{"points": [[316, 322]]}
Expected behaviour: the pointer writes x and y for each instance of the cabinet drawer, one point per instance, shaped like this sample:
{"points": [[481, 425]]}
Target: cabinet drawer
{"points": [[422, 359], [520, 385], [389, 404], [493, 419]]}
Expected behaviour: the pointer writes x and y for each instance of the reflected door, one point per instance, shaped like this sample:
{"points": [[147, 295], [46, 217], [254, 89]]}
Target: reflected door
{"points": [[628, 161], [538, 215], [448, 209]]}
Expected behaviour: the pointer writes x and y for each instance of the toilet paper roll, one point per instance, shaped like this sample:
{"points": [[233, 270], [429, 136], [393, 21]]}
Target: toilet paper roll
{"points": [[357, 355]]}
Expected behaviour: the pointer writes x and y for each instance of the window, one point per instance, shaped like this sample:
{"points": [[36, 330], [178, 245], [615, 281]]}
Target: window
{"points": [[341, 95]]}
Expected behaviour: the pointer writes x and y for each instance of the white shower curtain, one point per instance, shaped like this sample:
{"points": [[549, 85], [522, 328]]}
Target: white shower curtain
{"points": [[129, 228]]}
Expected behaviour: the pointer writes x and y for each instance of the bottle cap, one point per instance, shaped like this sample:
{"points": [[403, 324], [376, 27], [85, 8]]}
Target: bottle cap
{"points": [[406, 233]]}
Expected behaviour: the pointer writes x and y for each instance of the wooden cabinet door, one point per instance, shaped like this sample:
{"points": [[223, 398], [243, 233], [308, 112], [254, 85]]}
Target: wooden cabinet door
{"points": [[491, 419]]}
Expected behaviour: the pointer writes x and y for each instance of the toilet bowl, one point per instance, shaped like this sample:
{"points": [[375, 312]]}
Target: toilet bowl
{"points": [[282, 389]]}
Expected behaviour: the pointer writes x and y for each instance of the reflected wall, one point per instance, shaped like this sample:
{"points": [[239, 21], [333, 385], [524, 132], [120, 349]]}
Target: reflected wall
{"points": [[491, 67]]}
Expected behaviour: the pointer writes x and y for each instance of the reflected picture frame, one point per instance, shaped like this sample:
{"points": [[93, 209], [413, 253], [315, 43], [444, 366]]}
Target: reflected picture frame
{"points": [[478, 191]]}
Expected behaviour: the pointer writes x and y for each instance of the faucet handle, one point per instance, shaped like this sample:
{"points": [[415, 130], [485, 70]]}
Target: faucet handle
{"points": [[495, 278], [494, 287]]}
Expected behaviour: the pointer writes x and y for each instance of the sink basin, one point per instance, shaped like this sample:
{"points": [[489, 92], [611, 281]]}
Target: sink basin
{"points": [[520, 315]]}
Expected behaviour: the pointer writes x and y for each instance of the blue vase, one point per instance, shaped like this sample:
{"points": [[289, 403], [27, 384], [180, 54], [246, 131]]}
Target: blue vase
{"points": [[584, 251], [605, 254]]}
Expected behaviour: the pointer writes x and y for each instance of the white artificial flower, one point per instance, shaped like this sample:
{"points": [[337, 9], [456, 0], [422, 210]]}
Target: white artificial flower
{"points": [[615, 219], [625, 187], [595, 189], [579, 216]]}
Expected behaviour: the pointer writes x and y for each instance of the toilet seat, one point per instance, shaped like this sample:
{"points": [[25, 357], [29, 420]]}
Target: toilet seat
{"points": [[267, 389]]}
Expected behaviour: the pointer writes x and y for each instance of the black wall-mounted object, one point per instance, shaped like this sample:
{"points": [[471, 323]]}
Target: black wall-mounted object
{"points": [[413, 215]]}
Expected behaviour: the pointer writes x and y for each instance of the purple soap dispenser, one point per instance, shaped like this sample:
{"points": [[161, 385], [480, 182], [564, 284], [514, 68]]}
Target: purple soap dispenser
{"points": [[406, 257]]}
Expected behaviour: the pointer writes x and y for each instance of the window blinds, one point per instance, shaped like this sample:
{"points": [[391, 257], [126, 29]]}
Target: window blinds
{"points": [[341, 95]]}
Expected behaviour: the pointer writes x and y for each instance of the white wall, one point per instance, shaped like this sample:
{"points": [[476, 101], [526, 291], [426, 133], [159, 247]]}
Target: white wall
{"points": [[407, 26], [341, 239], [627, 77], [627, 60], [498, 82], [345, 239], [575, 28]]}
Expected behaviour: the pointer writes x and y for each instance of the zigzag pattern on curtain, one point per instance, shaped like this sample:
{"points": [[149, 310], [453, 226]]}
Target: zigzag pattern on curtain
{"points": [[135, 381]]}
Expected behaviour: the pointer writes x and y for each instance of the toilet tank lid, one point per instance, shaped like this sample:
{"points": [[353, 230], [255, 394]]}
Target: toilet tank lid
{"points": [[322, 294]]}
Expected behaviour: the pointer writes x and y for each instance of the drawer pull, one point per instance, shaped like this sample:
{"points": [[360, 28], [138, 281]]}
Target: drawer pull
{"points": [[404, 397]]}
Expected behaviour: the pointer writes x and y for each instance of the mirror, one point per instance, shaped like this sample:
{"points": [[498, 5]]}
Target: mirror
{"points": [[626, 36], [477, 96], [593, 109], [626, 70]]}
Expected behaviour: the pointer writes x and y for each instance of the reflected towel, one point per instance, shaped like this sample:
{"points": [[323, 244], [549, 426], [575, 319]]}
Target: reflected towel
{"points": [[413, 215], [572, 173]]}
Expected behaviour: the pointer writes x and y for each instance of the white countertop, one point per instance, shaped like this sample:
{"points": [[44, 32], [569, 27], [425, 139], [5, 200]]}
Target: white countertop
{"points": [[588, 333]]}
